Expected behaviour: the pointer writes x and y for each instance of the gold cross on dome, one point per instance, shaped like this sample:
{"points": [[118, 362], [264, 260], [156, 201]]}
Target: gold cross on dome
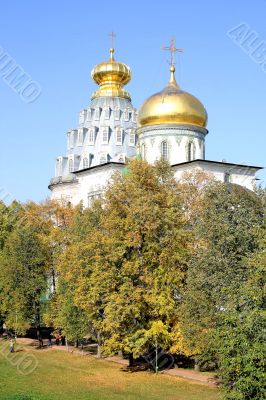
{"points": [[172, 49], [112, 36]]}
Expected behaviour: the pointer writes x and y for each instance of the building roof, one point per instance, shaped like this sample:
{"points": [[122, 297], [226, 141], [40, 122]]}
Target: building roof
{"points": [[217, 162]]}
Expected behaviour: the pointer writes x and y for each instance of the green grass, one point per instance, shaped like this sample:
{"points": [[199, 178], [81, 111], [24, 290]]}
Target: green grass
{"points": [[65, 376]]}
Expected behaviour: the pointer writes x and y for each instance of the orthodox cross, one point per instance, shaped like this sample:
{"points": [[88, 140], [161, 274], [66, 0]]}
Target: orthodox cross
{"points": [[172, 49], [112, 36]]}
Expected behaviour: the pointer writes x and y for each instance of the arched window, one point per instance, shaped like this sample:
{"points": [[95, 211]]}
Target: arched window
{"points": [[70, 165], [97, 114], [164, 150], [89, 114], [85, 162], [107, 113], [131, 137], [105, 136], [190, 152], [59, 167], [227, 177], [118, 136], [82, 116], [143, 151], [126, 115], [103, 158], [134, 116], [72, 139], [80, 137], [91, 136], [117, 113]]}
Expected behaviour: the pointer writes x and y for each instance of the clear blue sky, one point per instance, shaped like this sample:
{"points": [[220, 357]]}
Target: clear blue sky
{"points": [[58, 43]]}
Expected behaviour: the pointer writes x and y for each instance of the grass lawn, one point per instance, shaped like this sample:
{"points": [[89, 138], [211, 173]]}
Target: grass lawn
{"points": [[64, 376]]}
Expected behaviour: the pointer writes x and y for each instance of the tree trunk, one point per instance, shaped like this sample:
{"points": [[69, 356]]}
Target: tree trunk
{"points": [[99, 353], [38, 323], [131, 359], [53, 281], [39, 336], [196, 366]]}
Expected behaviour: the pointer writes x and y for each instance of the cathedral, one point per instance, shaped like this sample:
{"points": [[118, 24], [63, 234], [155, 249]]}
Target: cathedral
{"points": [[170, 125]]}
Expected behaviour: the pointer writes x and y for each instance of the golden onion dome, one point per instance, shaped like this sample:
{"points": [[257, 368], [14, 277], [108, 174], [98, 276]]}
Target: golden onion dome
{"points": [[111, 76], [172, 106]]}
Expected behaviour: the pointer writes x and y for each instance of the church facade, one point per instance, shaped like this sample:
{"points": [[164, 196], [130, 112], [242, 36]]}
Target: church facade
{"points": [[170, 125]]}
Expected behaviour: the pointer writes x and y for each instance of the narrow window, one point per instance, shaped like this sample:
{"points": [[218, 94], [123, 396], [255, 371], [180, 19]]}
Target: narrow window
{"points": [[82, 116], [143, 151], [117, 113], [134, 116], [107, 113], [118, 138], [85, 162], [190, 151], [72, 139], [227, 177], [131, 138], [89, 114], [126, 115], [97, 114], [164, 151], [59, 167], [103, 159], [70, 165], [105, 136], [91, 136], [80, 137]]}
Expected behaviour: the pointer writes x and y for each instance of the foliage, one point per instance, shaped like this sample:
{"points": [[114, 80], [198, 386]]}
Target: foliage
{"points": [[127, 260], [240, 339], [23, 278]]}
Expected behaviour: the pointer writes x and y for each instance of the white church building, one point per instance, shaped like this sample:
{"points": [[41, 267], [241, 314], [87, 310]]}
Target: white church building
{"points": [[170, 125]]}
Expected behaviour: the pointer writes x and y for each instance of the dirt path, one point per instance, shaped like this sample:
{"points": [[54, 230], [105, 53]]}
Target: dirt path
{"points": [[191, 375]]}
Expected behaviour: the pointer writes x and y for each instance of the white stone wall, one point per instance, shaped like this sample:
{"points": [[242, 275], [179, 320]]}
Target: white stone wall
{"points": [[65, 192], [240, 175], [178, 140], [89, 184]]}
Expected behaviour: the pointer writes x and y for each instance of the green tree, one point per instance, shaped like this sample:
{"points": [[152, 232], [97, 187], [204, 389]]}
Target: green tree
{"points": [[143, 263], [240, 338], [23, 278], [225, 234], [126, 259]]}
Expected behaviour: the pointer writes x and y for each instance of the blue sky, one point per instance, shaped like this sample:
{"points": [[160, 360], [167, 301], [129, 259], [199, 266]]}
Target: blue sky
{"points": [[58, 42]]}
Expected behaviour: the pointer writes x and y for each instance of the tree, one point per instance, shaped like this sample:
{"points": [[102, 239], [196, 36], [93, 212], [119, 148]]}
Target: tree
{"points": [[142, 256], [225, 233], [23, 278], [240, 338], [33, 241], [78, 274], [126, 260]]}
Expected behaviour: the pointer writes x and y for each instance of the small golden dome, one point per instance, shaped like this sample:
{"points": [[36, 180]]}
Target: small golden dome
{"points": [[172, 106], [111, 76]]}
